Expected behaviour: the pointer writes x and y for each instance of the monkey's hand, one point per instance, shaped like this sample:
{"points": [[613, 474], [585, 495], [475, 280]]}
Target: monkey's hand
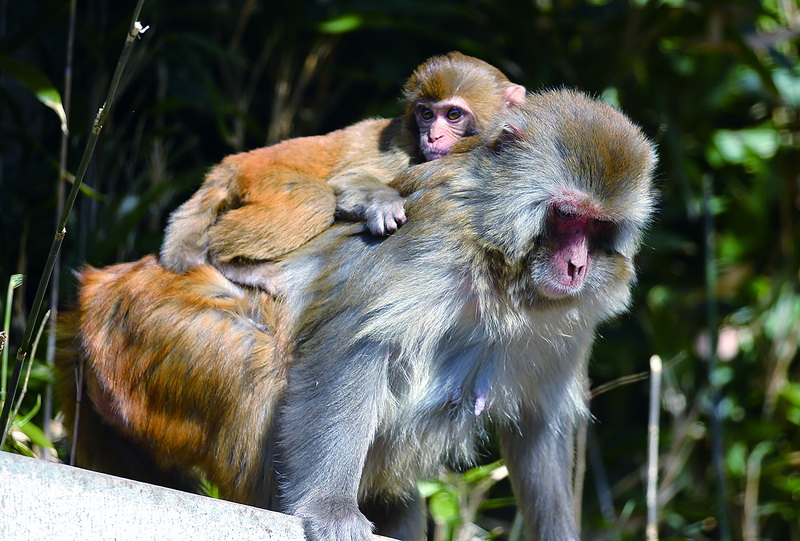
{"points": [[381, 208], [337, 522], [386, 213], [362, 194]]}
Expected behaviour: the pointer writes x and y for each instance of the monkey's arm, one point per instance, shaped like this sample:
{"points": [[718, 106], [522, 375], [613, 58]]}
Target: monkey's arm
{"points": [[362, 194], [539, 448], [323, 469]]}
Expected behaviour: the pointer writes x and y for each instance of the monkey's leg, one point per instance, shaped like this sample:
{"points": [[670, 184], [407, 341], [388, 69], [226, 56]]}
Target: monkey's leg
{"points": [[264, 275], [296, 210], [404, 519], [328, 423], [538, 453], [186, 237]]}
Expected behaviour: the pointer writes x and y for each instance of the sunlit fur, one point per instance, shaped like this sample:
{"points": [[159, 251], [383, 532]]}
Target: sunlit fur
{"points": [[447, 310], [162, 352], [455, 75], [402, 353], [260, 205]]}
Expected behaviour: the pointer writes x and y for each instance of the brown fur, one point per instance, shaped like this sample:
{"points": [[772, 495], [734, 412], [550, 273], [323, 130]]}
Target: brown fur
{"points": [[139, 325], [266, 202]]}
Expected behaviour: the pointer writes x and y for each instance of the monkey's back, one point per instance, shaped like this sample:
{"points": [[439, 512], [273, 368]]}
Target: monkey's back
{"points": [[313, 157], [136, 337]]}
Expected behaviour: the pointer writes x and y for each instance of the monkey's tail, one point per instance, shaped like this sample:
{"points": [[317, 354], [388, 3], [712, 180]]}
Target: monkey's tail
{"points": [[96, 444]]}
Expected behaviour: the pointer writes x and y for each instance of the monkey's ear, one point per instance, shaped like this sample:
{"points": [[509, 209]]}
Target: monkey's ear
{"points": [[514, 94], [509, 134]]}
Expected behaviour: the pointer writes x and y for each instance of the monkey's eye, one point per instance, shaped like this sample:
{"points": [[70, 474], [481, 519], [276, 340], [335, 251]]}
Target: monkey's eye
{"points": [[425, 113], [566, 214], [603, 226], [454, 113]]}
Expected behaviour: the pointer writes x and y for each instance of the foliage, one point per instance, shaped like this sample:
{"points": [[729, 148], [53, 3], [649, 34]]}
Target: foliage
{"points": [[715, 84]]}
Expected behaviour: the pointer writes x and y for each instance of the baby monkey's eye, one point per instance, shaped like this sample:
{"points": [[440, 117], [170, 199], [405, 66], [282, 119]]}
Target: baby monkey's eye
{"points": [[454, 113], [425, 113]]}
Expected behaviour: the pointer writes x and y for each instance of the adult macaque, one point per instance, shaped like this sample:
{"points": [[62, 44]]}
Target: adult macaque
{"points": [[261, 204], [390, 357]]}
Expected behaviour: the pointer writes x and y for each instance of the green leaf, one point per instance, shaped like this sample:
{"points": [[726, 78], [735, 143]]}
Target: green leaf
{"points": [[482, 472], [736, 459], [791, 392], [207, 488], [90, 192], [444, 506], [38, 83], [739, 146], [428, 487], [35, 434], [342, 25]]}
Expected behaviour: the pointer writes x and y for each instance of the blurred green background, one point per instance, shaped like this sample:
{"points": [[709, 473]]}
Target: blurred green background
{"points": [[715, 84]]}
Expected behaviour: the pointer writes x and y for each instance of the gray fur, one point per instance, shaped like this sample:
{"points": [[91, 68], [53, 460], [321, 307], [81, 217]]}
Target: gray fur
{"points": [[399, 340]]}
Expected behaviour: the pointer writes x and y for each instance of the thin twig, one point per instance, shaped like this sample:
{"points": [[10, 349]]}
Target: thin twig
{"points": [[478, 493], [783, 349], [652, 449], [605, 497], [619, 382], [30, 365], [515, 534], [13, 283], [717, 453], [750, 507], [35, 314], [681, 448], [579, 469], [79, 373], [62, 180], [244, 17]]}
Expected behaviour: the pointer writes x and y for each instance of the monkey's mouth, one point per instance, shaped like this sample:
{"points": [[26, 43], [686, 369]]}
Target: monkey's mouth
{"points": [[433, 153], [555, 291]]}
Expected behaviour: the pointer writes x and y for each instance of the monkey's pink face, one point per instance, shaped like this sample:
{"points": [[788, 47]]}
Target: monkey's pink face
{"points": [[576, 227], [441, 125]]}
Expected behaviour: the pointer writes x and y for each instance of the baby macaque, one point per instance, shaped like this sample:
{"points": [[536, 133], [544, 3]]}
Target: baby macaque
{"points": [[259, 205]]}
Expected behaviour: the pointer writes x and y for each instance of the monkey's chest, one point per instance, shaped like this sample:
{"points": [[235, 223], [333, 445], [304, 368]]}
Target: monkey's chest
{"points": [[419, 448], [442, 406], [430, 425]]}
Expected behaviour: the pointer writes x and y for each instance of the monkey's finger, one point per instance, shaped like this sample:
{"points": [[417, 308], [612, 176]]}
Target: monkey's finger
{"points": [[393, 223]]}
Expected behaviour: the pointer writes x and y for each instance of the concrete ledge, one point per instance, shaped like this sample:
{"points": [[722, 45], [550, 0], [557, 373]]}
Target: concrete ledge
{"points": [[41, 500]]}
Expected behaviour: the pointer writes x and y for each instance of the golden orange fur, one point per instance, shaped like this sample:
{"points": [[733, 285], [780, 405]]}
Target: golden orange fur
{"points": [[140, 326]]}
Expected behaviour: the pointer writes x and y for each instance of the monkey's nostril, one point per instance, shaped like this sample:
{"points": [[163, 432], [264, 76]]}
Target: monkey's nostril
{"points": [[575, 272]]}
